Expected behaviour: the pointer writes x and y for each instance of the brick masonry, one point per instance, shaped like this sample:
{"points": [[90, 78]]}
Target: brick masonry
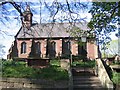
{"points": [[15, 50], [43, 38]]}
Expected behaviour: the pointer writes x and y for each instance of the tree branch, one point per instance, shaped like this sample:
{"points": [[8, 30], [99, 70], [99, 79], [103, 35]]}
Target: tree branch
{"points": [[17, 7]]}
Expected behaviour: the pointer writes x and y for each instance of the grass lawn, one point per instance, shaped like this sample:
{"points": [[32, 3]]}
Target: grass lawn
{"points": [[19, 70]]}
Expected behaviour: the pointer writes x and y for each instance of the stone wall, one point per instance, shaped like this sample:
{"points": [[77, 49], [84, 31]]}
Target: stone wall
{"points": [[32, 83], [103, 75], [65, 64]]}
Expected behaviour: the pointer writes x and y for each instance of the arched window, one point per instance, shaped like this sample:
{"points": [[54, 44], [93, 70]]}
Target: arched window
{"points": [[51, 49], [53, 44], [23, 47], [37, 47], [68, 45]]}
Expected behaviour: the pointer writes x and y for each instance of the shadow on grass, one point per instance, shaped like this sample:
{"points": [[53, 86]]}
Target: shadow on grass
{"points": [[50, 77]]}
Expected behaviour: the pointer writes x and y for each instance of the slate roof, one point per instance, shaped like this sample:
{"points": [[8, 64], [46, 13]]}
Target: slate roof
{"points": [[49, 30]]}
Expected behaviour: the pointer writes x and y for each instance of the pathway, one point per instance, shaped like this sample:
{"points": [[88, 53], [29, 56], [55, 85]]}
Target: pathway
{"points": [[84, 79]]}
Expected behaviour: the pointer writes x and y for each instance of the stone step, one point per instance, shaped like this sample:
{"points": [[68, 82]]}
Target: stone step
{"points": [[86, 82], [85, 78], [89, 88], [83, 73], [83, 69], [34, 88], [87, 85]]}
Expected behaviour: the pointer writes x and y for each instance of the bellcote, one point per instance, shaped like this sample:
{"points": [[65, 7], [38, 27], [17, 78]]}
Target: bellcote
{"points": [[27, 17]]}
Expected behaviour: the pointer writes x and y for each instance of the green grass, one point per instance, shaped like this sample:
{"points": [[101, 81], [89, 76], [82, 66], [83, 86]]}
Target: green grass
{"points": [[18, 70], [116, 77], [90, 64], [55, 62]]}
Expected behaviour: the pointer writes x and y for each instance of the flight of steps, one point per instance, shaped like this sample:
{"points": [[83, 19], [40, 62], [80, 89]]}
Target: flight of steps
{"points": [[84, 79]]}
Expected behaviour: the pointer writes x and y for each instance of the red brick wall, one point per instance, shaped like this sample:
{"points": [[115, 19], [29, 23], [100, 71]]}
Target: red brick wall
{"points": [[58, 46], [43, 48], [74, 48], [91, 48], [28, 48]]}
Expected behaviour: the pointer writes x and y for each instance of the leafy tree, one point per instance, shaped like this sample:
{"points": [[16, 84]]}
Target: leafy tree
{"points": [[113, 48], [105, 16]]}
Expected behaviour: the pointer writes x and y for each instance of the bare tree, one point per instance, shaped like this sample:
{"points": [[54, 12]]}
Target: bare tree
{"points": [[67, 11]]}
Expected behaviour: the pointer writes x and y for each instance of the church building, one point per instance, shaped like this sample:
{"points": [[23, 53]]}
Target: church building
{"points": [[49, 40]]}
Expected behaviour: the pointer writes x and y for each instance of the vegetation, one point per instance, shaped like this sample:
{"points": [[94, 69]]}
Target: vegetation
{"points": [[116, 78], [19, 70], [55, 62], [89, 64], [113, 74], [105, 17], [115, 63], [113, 48]]}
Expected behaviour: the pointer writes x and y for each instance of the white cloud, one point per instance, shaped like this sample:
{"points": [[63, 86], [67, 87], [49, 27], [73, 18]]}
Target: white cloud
{"points": [[87, 15], [7, 42]]}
